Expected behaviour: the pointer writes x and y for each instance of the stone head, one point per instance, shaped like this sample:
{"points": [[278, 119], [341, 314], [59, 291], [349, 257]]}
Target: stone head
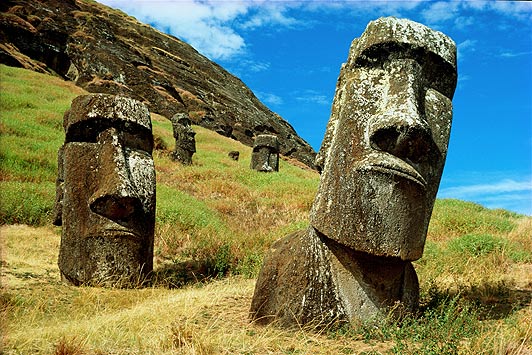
{"points": [[183, 133], [386, 142], [265, 156], [106, 189]]}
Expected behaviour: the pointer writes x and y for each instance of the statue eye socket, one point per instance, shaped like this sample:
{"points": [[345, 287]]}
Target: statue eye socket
{"points": [[133, 137], [140, 141]]}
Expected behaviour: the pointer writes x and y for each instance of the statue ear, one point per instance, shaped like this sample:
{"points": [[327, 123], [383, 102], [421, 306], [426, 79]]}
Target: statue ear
{"points": [[59, 185]]}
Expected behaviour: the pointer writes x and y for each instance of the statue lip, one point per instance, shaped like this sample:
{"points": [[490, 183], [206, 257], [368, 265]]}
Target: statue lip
{"points": [[389, 164]]}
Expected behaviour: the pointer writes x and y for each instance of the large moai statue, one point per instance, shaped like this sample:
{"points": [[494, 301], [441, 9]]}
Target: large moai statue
{"points": [[185, 139], [381, 160], [106, 192], [265, 156]]}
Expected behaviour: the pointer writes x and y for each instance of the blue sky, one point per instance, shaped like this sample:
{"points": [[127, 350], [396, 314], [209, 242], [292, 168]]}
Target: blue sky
{"points": [[290, 52]]}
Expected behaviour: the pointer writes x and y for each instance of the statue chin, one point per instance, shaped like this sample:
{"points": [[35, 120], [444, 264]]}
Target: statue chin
{"points": [[391, 222]]}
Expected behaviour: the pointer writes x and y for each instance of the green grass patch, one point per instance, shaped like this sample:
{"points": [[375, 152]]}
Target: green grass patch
{"points": [[26, 202], [182, 210], [477, 245], [452, 218]]}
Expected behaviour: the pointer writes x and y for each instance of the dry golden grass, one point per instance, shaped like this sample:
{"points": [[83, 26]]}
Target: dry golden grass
{"points": [[46, 317], [43, 315]]}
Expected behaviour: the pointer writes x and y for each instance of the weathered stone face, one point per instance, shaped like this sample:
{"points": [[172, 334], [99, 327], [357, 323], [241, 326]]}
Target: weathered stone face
{"points": [[386, 142], [185, 139], [381, 162], [265, 156], [106, 191]]}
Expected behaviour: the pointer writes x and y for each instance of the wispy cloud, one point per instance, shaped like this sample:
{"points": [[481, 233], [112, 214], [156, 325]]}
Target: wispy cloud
{"points": [[311, 96], [507, 193], [509, 54], [270, 14], [503, 186], [217, 28], [519, 9], [269, 98], [440, 11], [466, 47]]}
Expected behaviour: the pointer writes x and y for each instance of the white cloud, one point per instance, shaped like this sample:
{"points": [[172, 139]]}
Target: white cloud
{"points": [[499, 187], [209, 26], [520, 9], [440, 11], [443, 11], [216, 28], [254, 66], [506, 193], [311, 96], [268, 14], [463, 22], [204, 25], [509, 54], [269, 98], [466, 47]]}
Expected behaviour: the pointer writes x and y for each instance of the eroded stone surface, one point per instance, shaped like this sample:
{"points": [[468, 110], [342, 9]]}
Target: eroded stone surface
{"points": [[381, 162], [185, 139], [106, 192]]}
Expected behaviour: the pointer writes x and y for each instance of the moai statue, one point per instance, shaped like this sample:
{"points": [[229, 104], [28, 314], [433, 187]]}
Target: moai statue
{"points": [[381, 160], [106, 192], [185, 141], [265, 156], [234, 154]]}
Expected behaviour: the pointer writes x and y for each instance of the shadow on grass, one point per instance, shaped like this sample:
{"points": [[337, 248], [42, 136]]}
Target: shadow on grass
{"points": [[180, 274]]}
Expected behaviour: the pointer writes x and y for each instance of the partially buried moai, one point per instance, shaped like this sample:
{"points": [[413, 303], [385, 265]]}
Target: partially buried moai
{"points": [[106, 192], [265, 156], [381, 160], [185, 139]]}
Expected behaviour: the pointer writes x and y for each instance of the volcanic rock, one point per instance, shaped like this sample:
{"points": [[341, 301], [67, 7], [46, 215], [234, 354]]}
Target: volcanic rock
{"points": [[105, 51]]}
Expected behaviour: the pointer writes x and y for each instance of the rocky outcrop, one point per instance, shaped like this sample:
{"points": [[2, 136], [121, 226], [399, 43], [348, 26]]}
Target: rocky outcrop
{"points": [[105, 51]]}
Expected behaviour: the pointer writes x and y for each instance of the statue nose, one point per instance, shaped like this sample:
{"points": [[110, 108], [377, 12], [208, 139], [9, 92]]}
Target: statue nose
{"points": [[409, 143], [400, 127], [115, 197]]}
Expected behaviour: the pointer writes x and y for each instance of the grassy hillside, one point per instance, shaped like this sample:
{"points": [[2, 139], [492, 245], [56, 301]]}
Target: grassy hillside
{"points": [[215, 219]]}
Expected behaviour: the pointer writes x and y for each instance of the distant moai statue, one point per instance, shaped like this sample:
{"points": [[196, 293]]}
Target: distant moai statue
{"points": [[106, 192], [381, 160], [185, 138], [234, 154], [265, 156]]}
